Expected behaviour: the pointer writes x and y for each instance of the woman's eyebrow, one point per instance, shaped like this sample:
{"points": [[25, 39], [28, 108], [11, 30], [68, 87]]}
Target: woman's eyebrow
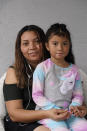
{"points": [[24, 40], [36, 38]]}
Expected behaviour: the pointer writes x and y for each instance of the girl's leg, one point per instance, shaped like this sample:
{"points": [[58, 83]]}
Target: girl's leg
{"points": [[41, 128], [54, 125], [77, 124], [61, 129]]}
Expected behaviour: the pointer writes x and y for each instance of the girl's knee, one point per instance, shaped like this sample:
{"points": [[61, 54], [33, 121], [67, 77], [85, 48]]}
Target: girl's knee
{"points": [[80, 126], [61, 129], [42, 128]]}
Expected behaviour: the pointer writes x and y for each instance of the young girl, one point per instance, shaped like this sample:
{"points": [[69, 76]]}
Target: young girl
{"points": [[56, 82]]}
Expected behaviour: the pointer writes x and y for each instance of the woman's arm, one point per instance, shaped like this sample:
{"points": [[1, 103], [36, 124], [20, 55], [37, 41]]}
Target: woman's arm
{"points": [[15, 107], [18, 114]]}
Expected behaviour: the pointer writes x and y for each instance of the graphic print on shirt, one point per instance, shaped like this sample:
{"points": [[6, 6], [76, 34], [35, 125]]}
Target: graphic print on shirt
{"points": [[68, 83]]}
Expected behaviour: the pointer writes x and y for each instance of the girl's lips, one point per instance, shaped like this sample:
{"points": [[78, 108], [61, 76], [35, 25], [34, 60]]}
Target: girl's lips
{"points": [[59, 53]]}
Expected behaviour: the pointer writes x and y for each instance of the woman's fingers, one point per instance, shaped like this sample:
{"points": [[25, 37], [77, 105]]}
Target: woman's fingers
{"points": [[58, 114], [61, 111], [64, 115]]}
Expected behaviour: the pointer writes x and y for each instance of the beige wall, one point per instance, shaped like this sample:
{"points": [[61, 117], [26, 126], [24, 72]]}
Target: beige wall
{"points": [[14, 14]]}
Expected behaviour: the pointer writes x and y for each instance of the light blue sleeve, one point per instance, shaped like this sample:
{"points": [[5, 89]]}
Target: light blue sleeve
{"points": [[77, 98], [38, 89]]}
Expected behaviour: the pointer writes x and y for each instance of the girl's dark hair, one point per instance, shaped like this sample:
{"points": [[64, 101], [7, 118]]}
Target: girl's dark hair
{"points": [[61, 30], [20, 60]]}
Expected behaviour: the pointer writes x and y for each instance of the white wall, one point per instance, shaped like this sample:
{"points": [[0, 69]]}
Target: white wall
{"points": [[14, 14]]}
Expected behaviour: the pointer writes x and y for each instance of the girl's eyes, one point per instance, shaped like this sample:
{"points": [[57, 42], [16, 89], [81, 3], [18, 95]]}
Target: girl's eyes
{"points": [[56, 43], [65, 43]]}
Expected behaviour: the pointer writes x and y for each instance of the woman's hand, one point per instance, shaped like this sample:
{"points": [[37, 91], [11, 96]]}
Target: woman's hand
{"points": [[58, 114]]}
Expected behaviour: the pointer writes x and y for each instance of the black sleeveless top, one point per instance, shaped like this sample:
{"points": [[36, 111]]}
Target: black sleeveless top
{"points": [[13, 92]]}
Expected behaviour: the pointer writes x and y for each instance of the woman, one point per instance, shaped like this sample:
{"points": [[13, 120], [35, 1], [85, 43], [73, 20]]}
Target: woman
{"points": [[29, 51]]}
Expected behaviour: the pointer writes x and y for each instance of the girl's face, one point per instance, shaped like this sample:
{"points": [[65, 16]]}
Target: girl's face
{"points": [[31, 47], [58, 46]]}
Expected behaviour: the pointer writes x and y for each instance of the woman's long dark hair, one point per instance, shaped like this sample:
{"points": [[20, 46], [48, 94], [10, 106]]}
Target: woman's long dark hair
{"points": [[61, 30], [20, 61]]}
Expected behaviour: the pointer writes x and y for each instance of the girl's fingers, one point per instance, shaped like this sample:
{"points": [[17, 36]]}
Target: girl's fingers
{"points": [[82, 111]]}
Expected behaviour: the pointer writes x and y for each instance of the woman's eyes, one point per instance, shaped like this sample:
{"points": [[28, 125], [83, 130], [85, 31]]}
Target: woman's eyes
{"points": [[25, 43], [36, 41]]}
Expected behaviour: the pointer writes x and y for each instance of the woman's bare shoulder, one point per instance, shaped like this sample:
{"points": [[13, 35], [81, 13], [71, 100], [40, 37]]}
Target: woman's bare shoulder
{"points": [[11, 76]]}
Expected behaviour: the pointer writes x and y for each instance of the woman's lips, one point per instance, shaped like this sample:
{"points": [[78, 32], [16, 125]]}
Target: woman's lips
{"points": [[32, 53]]}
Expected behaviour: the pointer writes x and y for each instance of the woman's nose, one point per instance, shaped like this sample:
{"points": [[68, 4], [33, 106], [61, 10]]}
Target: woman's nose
{"points": [[32, 45]]}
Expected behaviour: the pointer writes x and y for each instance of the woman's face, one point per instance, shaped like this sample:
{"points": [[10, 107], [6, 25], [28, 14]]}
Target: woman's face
{"points": [[31, 47]]}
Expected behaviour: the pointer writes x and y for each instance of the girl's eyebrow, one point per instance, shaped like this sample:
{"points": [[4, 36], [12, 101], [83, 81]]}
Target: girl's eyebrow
{"points": [[65, 41], [58, 41], [54, 41]]}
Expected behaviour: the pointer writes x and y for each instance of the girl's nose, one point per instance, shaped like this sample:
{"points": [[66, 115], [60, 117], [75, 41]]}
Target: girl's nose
{"points": [[60, 47]]}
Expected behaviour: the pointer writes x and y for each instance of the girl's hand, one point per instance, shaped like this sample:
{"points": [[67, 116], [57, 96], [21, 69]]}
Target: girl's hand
{"points": [[78, 111], [58, 114], [82, 111], [74, 110]]}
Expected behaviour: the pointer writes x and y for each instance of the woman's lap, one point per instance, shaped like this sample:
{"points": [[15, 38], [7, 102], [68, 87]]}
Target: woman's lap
{"points": [[13, 126]]}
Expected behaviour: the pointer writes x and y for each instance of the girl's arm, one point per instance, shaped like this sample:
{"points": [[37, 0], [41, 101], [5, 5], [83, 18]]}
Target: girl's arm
{"points": [[38, 89], [77, 98], [41, 100]]}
